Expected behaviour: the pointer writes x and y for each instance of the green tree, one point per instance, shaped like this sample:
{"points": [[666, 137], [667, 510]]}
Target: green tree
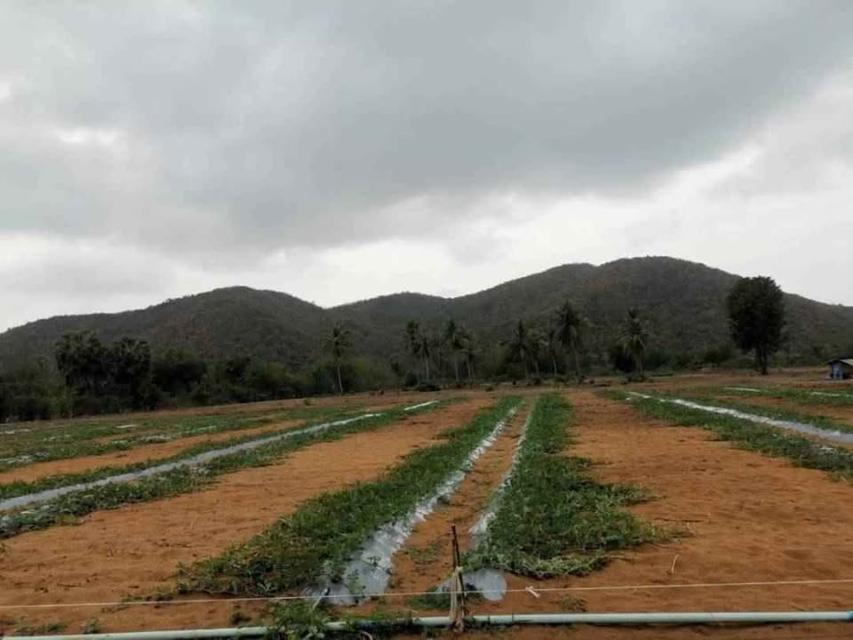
{"points": [[339, 344], [454, 338], [178, 371], [129, 369], [569, 327], [419, 344], [756, 309], [634, 340], [469, 350], [519, 347], [82, 361]]}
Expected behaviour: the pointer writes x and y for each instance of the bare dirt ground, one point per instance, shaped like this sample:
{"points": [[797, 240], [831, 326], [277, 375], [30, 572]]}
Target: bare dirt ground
{"points": [[141, 453], [135, 550], [745, 518]]}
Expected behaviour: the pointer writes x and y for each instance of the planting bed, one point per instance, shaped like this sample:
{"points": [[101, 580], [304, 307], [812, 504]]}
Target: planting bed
{"points": [[721, 514], [811, 452], [743, 517], [315, 548], [141, 453], [135, 550]]}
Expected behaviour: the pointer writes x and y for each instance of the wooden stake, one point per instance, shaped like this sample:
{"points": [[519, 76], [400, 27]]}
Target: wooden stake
{"points": [[458, 608]]}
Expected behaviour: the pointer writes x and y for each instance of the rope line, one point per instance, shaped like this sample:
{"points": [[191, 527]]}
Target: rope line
{"points": [[407, 594]]}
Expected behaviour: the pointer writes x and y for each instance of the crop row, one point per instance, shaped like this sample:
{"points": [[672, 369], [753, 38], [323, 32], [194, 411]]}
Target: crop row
{"points": [[552, 518], [749, 435], [21, 446], [22, 488], [181, 480], [315, 543]]}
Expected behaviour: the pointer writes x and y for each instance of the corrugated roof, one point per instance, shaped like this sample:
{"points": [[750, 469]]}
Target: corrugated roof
{"points": [[847, 361]]}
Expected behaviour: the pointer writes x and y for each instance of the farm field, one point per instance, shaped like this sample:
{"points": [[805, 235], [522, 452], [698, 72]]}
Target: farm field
{"points": [[621, 501]]}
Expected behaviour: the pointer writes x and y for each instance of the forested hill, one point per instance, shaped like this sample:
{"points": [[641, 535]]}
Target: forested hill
{"points": [[683, 304]]}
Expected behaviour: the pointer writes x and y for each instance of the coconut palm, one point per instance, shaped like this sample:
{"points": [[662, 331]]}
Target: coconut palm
{"points": [[569, 327], [419, 344], [552, 343], [338, 344], [454, 338], [536, 342], [519, 346], [468, 350], [634, 340]]}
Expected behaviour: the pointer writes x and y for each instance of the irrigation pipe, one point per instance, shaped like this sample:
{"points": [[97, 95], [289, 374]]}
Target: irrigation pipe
{"points": [[753, 617], [409, 594]]}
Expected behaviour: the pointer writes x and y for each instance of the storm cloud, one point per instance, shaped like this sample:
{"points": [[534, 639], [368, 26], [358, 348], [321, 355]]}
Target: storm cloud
{"points": [[228, 139]]}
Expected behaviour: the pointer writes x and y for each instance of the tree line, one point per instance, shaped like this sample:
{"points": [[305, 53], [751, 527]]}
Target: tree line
{"points": [[90, 377]]}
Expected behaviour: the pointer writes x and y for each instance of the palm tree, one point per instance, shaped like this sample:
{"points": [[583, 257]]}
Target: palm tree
{"points": [[552, 341], [468, 349], [519, 346], [419, 344], [454, 337], [569, 327], [535, 343], [338, 344], [634, 339]]}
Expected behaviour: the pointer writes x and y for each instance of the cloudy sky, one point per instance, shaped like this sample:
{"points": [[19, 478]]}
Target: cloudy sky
{"points": [[340, 150]]}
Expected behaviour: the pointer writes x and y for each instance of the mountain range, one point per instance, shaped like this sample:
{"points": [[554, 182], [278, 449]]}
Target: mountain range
{"points": [[682, 302]]}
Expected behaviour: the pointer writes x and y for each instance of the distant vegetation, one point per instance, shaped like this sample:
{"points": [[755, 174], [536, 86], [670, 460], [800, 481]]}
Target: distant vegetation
{"points": [[757, 316], [569, 323]]}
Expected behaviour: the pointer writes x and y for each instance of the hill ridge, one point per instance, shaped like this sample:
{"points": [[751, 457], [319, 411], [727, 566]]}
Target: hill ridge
{"points": [[683, 303]]}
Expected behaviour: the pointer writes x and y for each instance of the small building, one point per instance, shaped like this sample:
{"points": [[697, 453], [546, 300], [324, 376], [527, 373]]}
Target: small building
{"points": [[840, 368]]}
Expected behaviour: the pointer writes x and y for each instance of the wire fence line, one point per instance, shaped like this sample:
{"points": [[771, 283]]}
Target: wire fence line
{"points": [[530, 590]]}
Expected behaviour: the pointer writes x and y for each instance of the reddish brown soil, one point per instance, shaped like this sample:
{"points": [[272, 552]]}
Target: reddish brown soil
{"points": [[135, 550], [425, 560], [746, 518], [141, 453]]}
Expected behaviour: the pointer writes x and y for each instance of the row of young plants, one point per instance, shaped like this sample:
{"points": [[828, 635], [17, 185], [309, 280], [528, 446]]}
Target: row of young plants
{"points": [[21, 488], [797, 396], [712, 397], [182, 480], [553, 518], [315, 542], [749, 435], [20, 447]]}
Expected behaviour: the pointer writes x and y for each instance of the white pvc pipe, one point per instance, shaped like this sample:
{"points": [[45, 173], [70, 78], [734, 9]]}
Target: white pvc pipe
{"points": [[698, 617]]}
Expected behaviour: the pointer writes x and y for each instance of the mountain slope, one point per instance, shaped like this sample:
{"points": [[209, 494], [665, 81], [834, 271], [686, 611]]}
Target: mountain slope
{"points": [[216, 324], [683, 303]]}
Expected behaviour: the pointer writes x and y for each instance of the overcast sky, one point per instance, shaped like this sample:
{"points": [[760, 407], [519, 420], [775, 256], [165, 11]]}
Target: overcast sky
{"points": [[341, 150]]}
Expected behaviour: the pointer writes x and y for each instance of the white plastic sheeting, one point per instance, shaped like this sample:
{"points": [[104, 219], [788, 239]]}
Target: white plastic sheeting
{"points": [[369, 569]]}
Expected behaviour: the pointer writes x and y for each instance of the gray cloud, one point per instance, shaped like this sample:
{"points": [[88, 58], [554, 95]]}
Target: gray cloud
{"points": [[223, 126]]}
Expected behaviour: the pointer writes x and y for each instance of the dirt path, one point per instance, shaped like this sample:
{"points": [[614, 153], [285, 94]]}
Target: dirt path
{"points": [[141, 453], [747, 518], [135, 550], [425, 560]]}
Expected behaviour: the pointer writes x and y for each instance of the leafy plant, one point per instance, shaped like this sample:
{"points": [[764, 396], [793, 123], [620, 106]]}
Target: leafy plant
{"points": [[324, 532], [552, 518]]}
